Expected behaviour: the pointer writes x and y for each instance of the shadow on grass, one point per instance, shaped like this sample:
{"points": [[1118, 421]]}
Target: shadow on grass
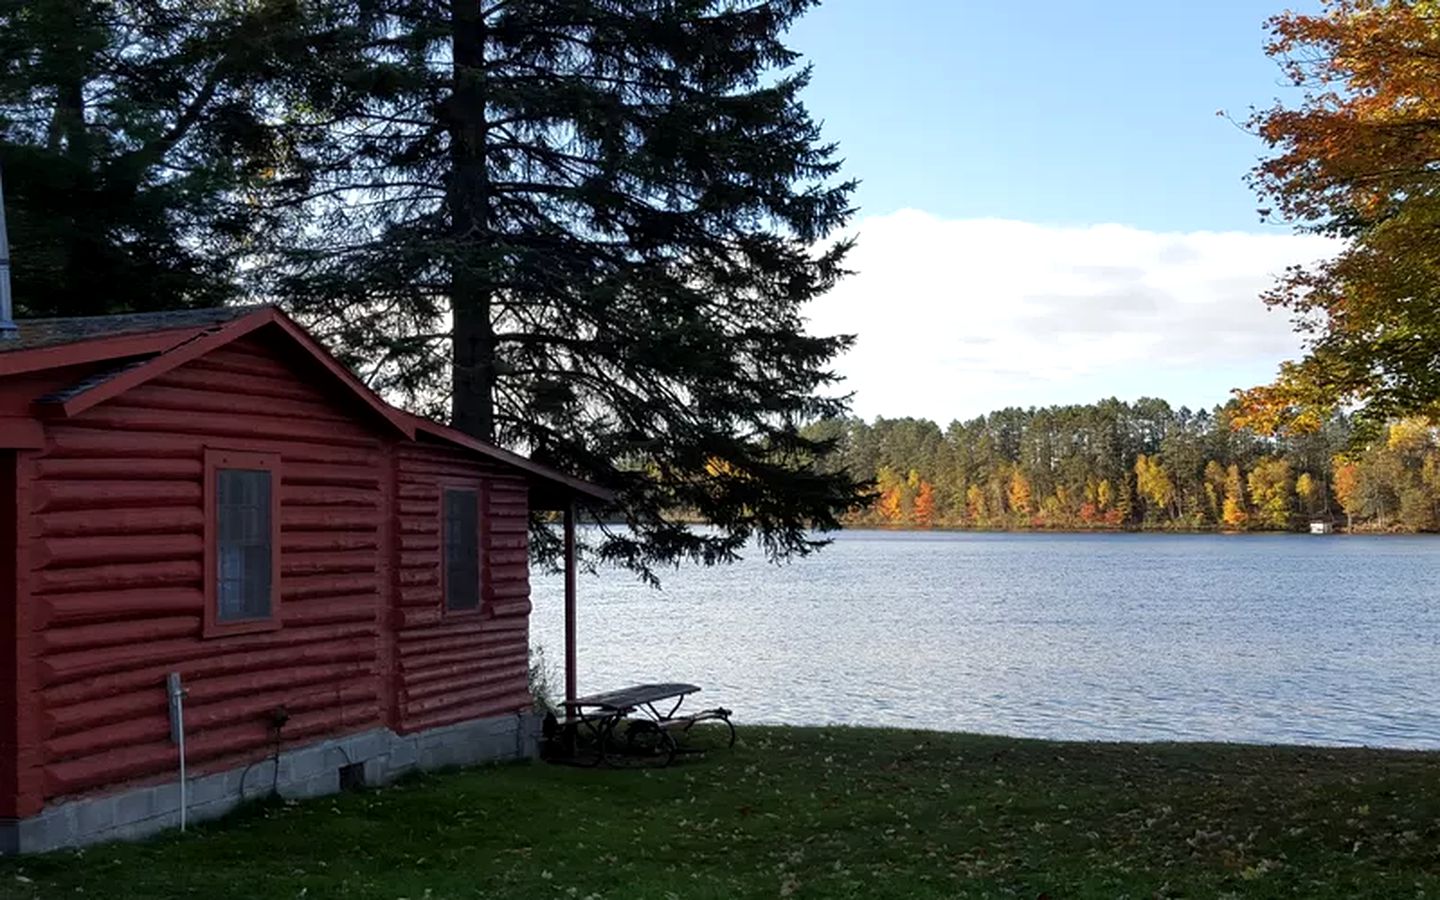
{"points": [[822, 812]]}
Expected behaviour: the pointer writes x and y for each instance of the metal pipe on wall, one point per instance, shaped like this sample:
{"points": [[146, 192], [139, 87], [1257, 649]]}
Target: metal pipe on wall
{"points": [[8, 328], [177, 732]]}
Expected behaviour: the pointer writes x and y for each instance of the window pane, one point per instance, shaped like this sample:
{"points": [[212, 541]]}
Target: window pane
{"points": [[243, 550], [257, 581], [462, 550], [230, 583]]}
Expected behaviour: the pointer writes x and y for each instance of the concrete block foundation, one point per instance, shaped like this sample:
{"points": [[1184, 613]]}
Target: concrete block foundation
{"points": [[303, 772]]}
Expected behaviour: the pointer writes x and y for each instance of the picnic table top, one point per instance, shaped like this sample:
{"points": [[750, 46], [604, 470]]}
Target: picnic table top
{"points": [[636, 695]]}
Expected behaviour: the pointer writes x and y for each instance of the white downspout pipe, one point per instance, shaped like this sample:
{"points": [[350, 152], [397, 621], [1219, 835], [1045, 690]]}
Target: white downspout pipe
{"points": [[8, 328], [177, 732]]}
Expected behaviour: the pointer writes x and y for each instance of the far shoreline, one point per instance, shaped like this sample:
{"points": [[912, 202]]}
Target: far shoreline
{"points": [[971, 529], [965, 529]]}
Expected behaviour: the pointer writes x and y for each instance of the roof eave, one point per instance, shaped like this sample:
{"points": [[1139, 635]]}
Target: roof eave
{"points": [[93, 350], [568, 485]]}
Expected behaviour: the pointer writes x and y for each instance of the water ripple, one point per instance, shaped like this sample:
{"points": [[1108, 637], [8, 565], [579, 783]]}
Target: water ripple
{"points": [[1270, 639]]}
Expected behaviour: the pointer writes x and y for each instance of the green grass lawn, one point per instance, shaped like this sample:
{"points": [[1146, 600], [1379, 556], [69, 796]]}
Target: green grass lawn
{"points": [[831, 812]]}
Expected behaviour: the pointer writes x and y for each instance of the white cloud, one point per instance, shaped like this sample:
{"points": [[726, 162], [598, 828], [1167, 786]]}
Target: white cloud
{"points": [[959, 317]]}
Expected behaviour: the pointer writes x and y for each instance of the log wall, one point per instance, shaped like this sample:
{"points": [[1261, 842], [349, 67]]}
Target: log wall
{"points": [[115, 534], [456, 666]]}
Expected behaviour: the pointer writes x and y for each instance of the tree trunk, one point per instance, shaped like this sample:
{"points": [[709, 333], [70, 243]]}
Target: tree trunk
{"points": [[472, 361], [69, 122], [79, 248]]}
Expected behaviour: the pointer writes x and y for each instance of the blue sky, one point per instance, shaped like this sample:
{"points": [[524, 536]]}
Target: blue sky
{"points": [[1064, 116]]}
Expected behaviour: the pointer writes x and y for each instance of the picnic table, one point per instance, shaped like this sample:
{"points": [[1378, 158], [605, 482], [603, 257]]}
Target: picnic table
{"points": [[637, 724]]}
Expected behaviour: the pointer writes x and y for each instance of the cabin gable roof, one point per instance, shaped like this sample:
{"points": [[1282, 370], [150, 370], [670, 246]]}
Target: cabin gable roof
{"points": [[144, 346], [127, 374]]}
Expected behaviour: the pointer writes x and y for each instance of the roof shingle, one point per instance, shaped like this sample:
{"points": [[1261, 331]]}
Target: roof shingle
{"points": [[35, 333]]}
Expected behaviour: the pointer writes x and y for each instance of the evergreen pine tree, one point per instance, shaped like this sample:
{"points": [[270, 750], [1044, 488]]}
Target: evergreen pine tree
{"points": [[587, 229], [139, 141]]}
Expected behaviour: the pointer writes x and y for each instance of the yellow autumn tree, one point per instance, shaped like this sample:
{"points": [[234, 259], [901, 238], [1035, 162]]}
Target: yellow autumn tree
{"points": [[1307, 491], [1410, 437], [1430, 473], [1214, 488], [1154, 483], [1019, 493], [891, 505], [923, 513], [975, 510], [1052, 512], [1233, 514], [1272, 493], [1064, 506], [1347, 489]]}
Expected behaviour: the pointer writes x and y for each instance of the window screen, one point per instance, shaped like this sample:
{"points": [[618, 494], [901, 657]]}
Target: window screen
{"points": [[243, 551], [462, 550]]}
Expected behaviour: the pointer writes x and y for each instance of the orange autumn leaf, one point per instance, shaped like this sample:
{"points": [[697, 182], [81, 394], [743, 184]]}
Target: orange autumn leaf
{"points": [[1356, 159]]}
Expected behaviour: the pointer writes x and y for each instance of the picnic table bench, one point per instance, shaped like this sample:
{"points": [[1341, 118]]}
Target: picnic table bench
{"points": [[649, 735]]}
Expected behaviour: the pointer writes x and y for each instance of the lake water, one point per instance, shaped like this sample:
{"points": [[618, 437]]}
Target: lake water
{"points": [[1270, 639]]}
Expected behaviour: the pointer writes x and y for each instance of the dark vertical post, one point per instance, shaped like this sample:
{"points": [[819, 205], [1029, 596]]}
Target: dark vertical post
{"points": [[10, 668], [570, 590]]}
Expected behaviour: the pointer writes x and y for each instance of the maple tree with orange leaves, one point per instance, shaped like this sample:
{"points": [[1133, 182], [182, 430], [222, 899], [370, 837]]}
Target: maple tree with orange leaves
{"points": [[1358, 158], [923, 513]]}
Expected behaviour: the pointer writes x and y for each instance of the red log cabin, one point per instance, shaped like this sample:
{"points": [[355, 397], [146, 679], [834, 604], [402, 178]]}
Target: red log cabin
{"points": [[341, 587]]}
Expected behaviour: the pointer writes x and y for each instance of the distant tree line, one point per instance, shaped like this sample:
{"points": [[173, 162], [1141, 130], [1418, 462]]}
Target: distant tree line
{"points": [[1142, 465]]}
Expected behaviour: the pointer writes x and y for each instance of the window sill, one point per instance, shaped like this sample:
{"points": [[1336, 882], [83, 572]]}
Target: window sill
{"points": [[449, 614], [243, 626]]}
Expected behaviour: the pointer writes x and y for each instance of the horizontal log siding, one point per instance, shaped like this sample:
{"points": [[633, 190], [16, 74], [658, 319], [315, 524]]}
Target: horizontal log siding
{"points": [[116, 566], [457, 667]]}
